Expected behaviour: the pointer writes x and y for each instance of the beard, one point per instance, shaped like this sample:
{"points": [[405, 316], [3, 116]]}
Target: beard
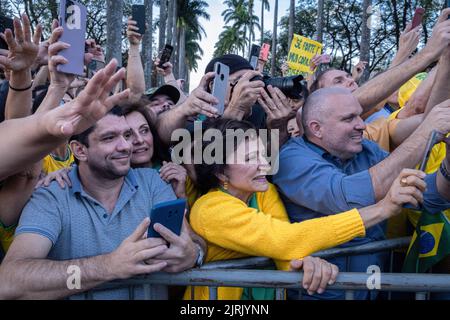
{"points": [[109, 170]]}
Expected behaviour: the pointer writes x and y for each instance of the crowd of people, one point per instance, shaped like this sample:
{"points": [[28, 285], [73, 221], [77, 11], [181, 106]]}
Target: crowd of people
{"points": [[84, 160]]}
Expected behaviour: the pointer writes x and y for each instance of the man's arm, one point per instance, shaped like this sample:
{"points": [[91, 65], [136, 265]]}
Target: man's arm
{"points": [[135, 71], [41, 133], [15, 193], [198, 102], [26, 273], [409, 153], [381, 87], [23, 50]]}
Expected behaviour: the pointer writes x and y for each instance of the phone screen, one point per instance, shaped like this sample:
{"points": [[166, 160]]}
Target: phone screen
{"points": [[254, 55], [138, 15]]}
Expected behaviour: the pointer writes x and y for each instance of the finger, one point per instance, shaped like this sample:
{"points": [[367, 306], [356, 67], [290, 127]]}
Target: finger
{"points": [[117, 99], [55, 24], [56, 34], [140, 230], [37, 35], [39, 184], [411, 191], [57, 60], [66, 179], [10, 41], [146, 254], [250, 75], [415, 182], [171, 237], [56, 47], [308, 272], [26, 28], [408, 172], [144, 269], [18, 31], [316, 277], [149, 243], [326, 276], [444, 15], [112, 82], [334, 274], [205, 97], [269, 101], [266, 108], [206, 79], [296, 265], [173, 177], [60, 181]]}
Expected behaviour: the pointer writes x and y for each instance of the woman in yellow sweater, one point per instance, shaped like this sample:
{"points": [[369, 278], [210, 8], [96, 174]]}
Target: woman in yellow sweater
{"points": [[242, 215]]}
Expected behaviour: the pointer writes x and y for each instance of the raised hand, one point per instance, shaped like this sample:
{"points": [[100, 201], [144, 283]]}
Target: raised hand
{"points": [[277, 107], [89, 106], [134, 37], [174, 174], [23, 48]]}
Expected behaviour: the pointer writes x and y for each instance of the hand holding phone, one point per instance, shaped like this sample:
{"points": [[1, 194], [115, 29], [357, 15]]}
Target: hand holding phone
{"points": [[138, 15], [165, 55], [418, 17], [170, 214], [220, 85]]}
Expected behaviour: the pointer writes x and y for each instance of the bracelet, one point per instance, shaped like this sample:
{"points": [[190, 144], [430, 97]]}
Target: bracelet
{"points": [[20, 90], [444, 172]]}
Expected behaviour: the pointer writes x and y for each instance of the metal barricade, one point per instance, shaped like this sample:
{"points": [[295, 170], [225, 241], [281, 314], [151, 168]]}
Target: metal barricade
{"points": [[241, 273]]}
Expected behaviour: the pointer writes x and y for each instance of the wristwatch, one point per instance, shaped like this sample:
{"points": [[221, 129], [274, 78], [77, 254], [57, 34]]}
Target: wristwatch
{"points": [[200, 257]]}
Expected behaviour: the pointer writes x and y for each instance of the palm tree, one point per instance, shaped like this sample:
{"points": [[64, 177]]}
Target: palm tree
{"points": [[242, 18], [365, 38], [291, 21], [190, 11], [320, 11], [264, 6], [230, 41], [114, 16], [147, 43], [274, 39]]}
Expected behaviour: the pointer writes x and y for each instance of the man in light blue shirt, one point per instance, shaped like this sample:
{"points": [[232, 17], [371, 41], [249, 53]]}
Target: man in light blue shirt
{"points": [[97, 227], [333, 169]]}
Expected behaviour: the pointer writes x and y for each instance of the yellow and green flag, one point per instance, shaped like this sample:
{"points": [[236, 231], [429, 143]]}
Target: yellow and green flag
{"points": [[430, 243]]}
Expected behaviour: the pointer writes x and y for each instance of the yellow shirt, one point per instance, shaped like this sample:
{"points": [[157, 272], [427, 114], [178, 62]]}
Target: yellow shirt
{"points": [[234, 230], [380, 130], [51, 164]]}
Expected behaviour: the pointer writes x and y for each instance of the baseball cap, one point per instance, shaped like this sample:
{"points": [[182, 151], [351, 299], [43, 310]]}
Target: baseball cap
{"points": [[167, 90]]}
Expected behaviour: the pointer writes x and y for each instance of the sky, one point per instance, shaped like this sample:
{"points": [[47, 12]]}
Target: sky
{"points": [[215, 25]]}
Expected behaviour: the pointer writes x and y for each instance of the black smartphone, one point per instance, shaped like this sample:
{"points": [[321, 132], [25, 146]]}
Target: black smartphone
{"points": [[220, 85], [448, 6], [72, 17], [138, 15], [254, 55], [5, 23], [170, 214], [430, 145], [165, 55]]}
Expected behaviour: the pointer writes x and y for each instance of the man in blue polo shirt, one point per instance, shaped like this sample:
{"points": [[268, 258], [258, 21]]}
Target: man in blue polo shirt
{"points": [[333, 169], [98, 226]]}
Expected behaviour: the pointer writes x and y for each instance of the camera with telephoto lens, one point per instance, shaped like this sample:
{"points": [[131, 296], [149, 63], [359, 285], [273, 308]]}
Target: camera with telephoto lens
{"points": [[293, 87]]}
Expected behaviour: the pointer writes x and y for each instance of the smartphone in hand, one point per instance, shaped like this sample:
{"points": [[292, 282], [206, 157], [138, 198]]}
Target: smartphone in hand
{"points": [[418, 17], [165, 55], [138, 15], [72, 17], [220, 85], [170, 214], [254, 56], [5, 23]]}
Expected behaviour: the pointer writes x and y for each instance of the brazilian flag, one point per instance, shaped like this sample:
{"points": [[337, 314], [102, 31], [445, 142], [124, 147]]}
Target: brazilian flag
{"points": [[430, 243]]}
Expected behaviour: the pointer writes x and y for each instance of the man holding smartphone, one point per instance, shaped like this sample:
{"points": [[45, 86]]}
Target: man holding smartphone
{"points": [[98, 225]]}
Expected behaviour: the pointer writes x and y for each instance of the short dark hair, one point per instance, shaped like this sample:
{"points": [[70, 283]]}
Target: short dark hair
{"points": [[207, 173], [83, 137]]}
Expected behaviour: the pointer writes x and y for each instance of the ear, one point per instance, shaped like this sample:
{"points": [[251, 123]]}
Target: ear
{"points": [[79, 150], [223, 178], [315, 127]]}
